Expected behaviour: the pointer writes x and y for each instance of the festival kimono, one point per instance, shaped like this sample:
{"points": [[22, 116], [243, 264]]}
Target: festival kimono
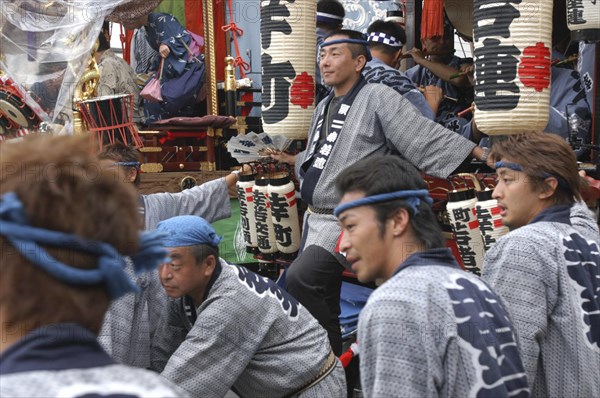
{"points": [[372, 120], [548, 274], [249, 336], [377, 71], [131, 320], [434, 330], [65, 360]]}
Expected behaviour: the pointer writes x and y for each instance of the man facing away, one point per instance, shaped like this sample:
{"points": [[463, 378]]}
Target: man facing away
{"points": [[229, 328], [547, 269], [431, 329], [356, 121], [66, 223], [386, 39]]}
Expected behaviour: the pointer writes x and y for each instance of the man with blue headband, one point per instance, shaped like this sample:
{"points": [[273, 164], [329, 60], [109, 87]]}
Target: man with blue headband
{"points": [[131, 320], [431, 329], [66, 225], [547, 269], [330, 17], [357, 120], [229, 328]]}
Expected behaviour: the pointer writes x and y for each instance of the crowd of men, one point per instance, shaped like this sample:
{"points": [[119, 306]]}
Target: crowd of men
{"points": [[108, 292]]}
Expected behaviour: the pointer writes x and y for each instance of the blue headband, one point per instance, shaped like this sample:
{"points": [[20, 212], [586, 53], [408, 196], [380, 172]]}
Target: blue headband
{"points": [[111, 265], [544, 174], [509, 165], [323, 17], [188, 231], [133, 164], [413, 197], [350, 41]]}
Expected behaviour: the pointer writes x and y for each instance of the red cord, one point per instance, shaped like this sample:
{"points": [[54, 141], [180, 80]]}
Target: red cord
{"points": [[235, 32]]}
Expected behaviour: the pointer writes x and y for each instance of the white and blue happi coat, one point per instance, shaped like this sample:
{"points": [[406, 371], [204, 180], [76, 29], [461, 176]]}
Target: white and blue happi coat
{"points": [[433, 330], [379, 121], [548, 274], [131, 320], [65, 360], [377, 71], [249, 336]]}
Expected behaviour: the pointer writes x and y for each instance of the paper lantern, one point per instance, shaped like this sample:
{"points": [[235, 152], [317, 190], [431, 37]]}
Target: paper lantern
{"points": [[583, 18], [490, 221], [462, 214], [512, 65], [288, 44]]}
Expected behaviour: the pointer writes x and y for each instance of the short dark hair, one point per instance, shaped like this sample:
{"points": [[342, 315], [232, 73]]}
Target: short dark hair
{"points": [[333, 7], [120, 152], [201, 252], [386, 173], [390, 28], [542, 154], [355, 49], [103, 42]]}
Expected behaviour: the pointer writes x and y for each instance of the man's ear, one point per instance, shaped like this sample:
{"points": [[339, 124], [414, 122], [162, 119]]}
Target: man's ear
{"points": [[400, 222], [211, 264], [361, 61], [548, 188], [133, 172]]}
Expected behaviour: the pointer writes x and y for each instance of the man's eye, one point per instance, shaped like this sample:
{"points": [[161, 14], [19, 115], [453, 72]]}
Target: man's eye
{"points": [[175, 267]]}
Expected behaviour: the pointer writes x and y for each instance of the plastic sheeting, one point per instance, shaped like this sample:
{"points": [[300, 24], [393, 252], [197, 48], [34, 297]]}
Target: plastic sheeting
{"points": [[46, 47]]}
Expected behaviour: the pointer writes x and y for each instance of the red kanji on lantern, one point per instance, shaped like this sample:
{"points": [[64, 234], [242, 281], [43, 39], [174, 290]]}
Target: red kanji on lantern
{"points": [[534, 69], [302, 92]]}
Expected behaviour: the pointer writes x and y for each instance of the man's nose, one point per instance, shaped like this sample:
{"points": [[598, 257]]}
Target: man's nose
{"points": [[344, 243], [164, 272]]}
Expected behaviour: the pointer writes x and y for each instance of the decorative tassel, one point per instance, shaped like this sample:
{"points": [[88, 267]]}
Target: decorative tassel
{"points": [[432, 20]]}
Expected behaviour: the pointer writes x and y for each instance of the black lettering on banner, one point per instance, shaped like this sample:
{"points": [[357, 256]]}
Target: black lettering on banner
{"points": [[502, 14], [496, 67], [276, 91], [272, 19]]}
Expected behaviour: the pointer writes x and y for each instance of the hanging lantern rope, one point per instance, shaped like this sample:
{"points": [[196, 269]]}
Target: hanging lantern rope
{"points": [[236, 32]]}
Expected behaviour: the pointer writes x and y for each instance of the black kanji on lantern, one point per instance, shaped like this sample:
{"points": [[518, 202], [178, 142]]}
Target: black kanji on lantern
{"points": [[244, 214], [501, 15], [496, 66], [283, 235], [273, 19], [276, 89], [261, 216], [575, 12], [279, 207]]}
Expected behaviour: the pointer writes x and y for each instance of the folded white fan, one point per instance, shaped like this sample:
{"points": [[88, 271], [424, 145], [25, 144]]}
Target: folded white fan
{"points": [[252, 147]]}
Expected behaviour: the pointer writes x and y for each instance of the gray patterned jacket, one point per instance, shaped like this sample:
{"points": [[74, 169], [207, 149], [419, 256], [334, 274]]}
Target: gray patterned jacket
{"points": [[380, 121], [433, 330], [130, 321], [249, 336], [548, 274]]}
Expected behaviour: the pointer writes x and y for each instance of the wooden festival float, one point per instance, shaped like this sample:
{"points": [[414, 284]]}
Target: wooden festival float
{"points": [[53, 41]]}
